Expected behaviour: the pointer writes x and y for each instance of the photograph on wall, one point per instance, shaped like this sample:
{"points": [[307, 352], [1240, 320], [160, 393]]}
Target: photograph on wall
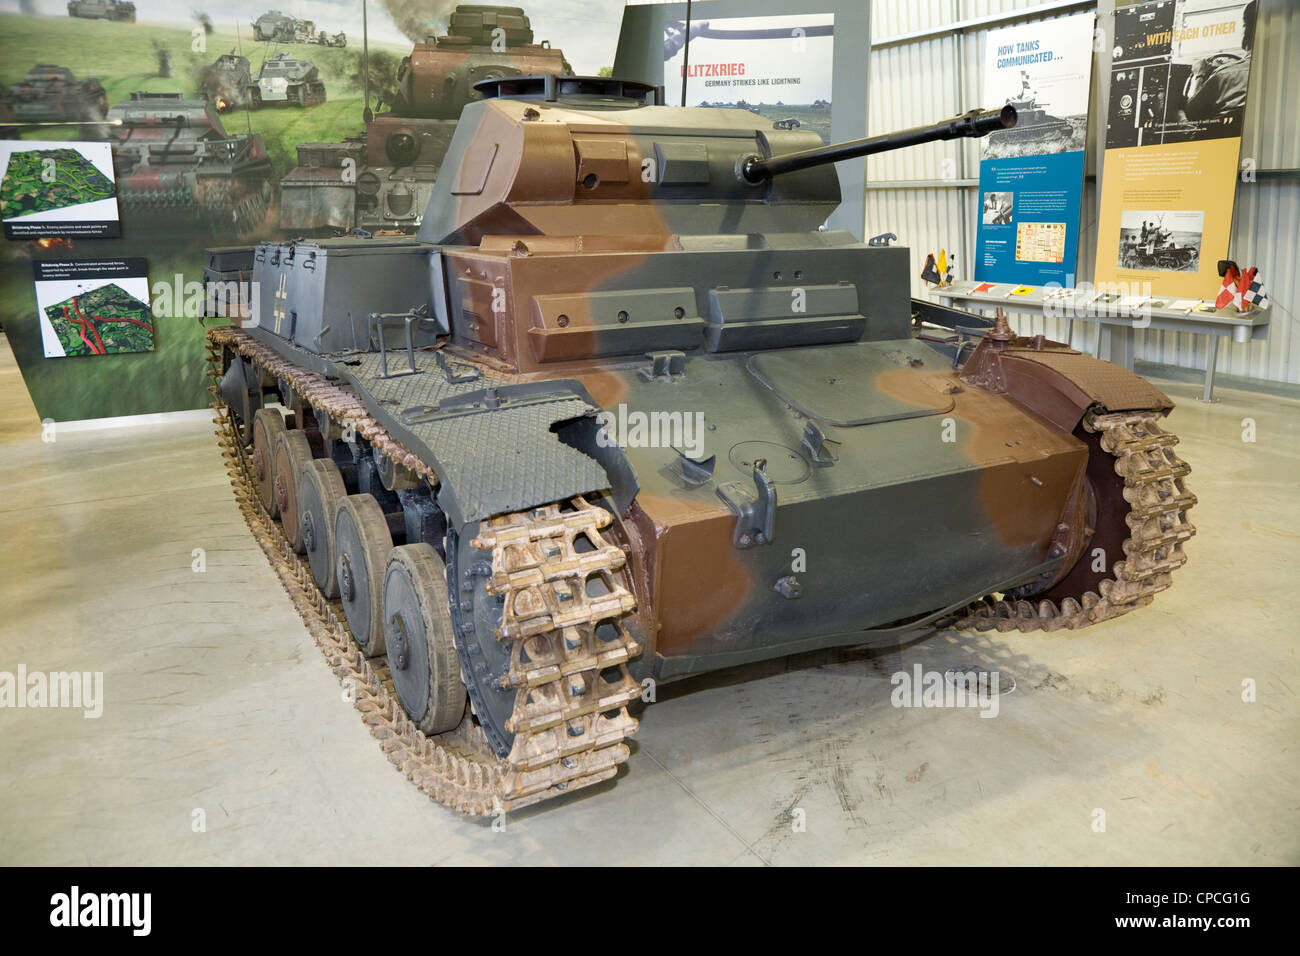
{"points": [[998, 208], [57, 190], [1179, 71], [1031, 175], [1179, 76], [93, 307], [1167, 240], [776, 67]]}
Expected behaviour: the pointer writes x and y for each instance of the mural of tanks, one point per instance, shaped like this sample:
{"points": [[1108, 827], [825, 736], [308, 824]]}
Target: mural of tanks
{"points": [[577, 435], [53, 94], [403, 147], [175, 163], [226, 82], [276, 26], [122, 11], [287, 80]]}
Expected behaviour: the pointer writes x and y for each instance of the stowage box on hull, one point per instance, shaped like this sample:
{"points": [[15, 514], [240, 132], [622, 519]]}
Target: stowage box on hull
{"points": [[320, 295]]}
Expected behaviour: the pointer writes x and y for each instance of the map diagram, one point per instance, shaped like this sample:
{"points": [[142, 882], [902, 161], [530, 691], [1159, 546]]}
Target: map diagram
{"points": [[28, 187], [107, 319]]}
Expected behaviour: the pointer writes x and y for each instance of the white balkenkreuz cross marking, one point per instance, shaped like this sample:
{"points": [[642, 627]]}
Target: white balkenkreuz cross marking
{"points": [[281, 297]]}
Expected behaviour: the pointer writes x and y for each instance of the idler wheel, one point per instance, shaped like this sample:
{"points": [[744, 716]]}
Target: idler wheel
{"points": [[292, 456], [267, 426], [319, 495], [361, 545], [422, 656]]}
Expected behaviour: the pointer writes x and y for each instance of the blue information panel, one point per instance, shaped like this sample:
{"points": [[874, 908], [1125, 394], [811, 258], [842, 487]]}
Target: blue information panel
{"points": [[1029, 219], [1031, 176]]}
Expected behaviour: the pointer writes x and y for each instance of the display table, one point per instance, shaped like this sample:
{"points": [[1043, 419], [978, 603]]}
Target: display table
{"points": [[1115, 320]]}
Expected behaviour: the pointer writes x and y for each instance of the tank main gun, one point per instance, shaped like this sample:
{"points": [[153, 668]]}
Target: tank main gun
{"points": [[756, 169]]}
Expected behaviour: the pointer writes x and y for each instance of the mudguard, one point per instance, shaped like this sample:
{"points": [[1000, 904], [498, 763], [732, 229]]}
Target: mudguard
{"points": [[1057, 382]]}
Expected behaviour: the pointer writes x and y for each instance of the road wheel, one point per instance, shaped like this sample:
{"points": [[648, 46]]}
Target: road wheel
{"points": [[319, 496], [361, 545], [292, 456], [267, 426], [422, 656]]}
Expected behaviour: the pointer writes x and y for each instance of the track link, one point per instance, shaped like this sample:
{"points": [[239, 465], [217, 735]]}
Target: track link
{"points": [[1158, 502], [568, 647]]}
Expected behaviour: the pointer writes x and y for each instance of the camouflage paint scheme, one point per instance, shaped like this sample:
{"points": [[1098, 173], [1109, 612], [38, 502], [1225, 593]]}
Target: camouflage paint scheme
{"points": [[176, 162], [397, 159], [544, 211]]}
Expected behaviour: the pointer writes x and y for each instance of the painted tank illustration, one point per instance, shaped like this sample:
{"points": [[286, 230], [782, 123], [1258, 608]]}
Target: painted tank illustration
{"points": [[274, 25], [623, 412], [53, 94], [287, 80], [175, 162], [402, 149], [226, 82], [119, 10]]}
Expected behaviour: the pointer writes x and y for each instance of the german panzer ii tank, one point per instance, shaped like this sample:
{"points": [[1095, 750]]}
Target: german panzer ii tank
{"points": [[285, 79], [121, 11], [623, 412], [53, 94], [176, 163], [404, 147]]}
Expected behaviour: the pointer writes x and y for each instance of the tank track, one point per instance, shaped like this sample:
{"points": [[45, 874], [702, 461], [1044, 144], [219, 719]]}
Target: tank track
{"points": [[1158, 504], [570, 719]]}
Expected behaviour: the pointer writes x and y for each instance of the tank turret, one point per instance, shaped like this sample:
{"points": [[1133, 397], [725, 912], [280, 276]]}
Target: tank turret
{"points": [[481, 43]]}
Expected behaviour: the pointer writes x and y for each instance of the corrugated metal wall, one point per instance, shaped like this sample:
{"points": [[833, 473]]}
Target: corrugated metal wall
{"points": [[930, 78]]}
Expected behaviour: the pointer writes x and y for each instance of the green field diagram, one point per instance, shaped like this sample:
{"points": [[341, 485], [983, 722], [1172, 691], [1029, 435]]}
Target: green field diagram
{"points": [[107, 319], [38, 180]]}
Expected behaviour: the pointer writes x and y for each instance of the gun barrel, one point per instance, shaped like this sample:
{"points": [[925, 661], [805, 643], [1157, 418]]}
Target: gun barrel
{"points": [[755, 169]]}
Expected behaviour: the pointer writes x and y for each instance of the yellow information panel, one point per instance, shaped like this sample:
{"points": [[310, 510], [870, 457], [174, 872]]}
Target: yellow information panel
{"points": [[1166, 214], [1180, 70]]}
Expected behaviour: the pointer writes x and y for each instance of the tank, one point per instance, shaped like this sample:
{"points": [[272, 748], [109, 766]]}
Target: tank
{"points": [[176, 164], [117, 10], [226, 82], [623, 412], [274, 25], [402, 148], [286, 80], [53, 94]]}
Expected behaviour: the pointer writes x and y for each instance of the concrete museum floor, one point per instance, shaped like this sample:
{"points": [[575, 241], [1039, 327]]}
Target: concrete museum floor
{"points": [[216, 700]]}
